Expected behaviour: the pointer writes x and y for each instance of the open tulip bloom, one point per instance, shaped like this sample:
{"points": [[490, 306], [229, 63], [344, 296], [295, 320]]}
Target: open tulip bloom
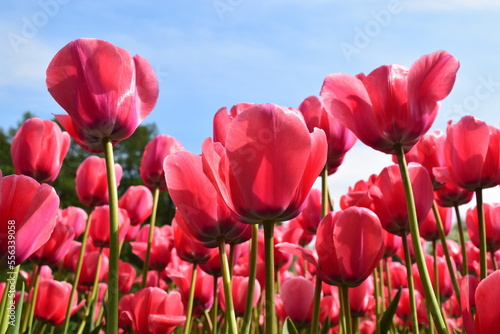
{"points": [[212, 268]]}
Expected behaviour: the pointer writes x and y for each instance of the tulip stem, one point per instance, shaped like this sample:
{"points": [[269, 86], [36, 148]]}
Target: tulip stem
{"points": [[465, 269], [114, 243], [152, 224], [346, 308], [226, 279], [7, 299], [483, 261], [215, 306], [445, 249], [270, 311], [252, 275], [92, 303], [377, 298], [411, 285], [192, 287], [78, 270], [430, 297], [494, 261]]}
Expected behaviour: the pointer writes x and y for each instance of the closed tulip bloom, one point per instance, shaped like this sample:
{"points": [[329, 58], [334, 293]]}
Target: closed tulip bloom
{"points": [[155, 152], [89, 269], [126, 276], [403, 309], [444, 278], [52, 300], [454, 250], [155, 311], [310, 216], [203, 290], [472, 155], [450, 195], [125, 311], [27, 211], [297, 295], [206, 216], [75, 217], [188, 248], [428, 227], [267, 147], [492, 225], [340, 139], [99, 226], [392, 243], [393, 105], [398, 275], [160, 248], [239, 286], [359, 194], [361, 298], [138, 201], [106, 92], [56, 247], [38, 149], [389, 201], [92, 183]]}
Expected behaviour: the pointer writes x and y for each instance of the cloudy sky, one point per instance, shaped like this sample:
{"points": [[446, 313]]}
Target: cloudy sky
{"points": [[214, 53]]}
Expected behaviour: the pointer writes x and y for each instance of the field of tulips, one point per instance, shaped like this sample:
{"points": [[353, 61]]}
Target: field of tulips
{"points": [[253, 246]]}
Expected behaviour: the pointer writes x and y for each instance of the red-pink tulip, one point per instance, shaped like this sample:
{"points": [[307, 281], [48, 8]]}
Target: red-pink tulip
{"points": [[138, 202], [428, 227], [188, 248], [155, 311], [267, 147], [75, 217], [239, 288], [472, 155], [106, 92], [126, 276], [398, 275], [92, 183], [38, 149], [160, 248], [310, 216], [389, 201], [361, 298], [151, 169], [450, 195], [454, 250], [52, 300], [222, 120], [27, 211], [56, 247], [297, 295], [89, 269], [99, 226], [392, 243], [492, 226], [125, 311], [206, 216], [359, 195], [444, 278], [393, 105], [340, 139]]}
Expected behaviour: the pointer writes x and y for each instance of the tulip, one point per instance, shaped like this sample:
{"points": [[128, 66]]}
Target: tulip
{"points": [[160, 248], [393, 105], [340, 139], [51, 302], [27, 211], [75, 217], [155, 311], [56, 247], [91, 181], [310, 216], [222, 120], [398, 275], [359, 194], [450, 195], [99, 226], [492, 225], [454, 251], [297, 295], [361, 298], [428, 227], [106, 92], [89, 269], [125, 308], [155, 152], [392, 243], [187, 247], [206, 216], [138, 201], [240, 291], [38, 149], [126, 277]]}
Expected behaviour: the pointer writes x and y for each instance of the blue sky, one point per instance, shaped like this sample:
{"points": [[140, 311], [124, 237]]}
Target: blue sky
{"points": [[214, 53]]}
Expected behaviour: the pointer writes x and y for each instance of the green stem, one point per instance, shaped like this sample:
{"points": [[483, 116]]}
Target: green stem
{"points": [[226, 279], [247, 316], [270, 314], [411, 285], [145, 267], [114, 243], [8, 297], [92, 303], [446, 252], [344, 291], [494, 261], [316, 306], [482, 234], [34, 297], [436, 272], [430, 298], [189, 314], [377, 298], [465, 269], [77, 271], [215, 306]]}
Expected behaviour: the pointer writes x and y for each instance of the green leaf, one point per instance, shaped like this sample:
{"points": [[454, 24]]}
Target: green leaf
{"points": [[385, 323], [326, 326], [19, 310], [289, 327]]}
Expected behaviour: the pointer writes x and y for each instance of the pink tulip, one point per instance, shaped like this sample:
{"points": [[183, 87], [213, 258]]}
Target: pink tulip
{"points": [[389, 201], [92, 183], [492, 225], [359, 195], [188, 248], [106, 92], [155, 311], [450, 195], [56, 247], [99, 226], [361, 298], [138, 202], [126, 276], [297, 295], [266, 147], [454, 250], [27, 211], [428, 227], [222, 120], [52, 300], [38, 149], [310, 216], [155, 152], [203, 291], [472, 155], [89, 269], [239, 288], [206, 216], [160, 248], [393, 105], [340, 139], [75, 217]]}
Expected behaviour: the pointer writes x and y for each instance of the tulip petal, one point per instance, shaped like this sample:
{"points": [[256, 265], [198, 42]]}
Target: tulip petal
{"points": [[487, 296]]}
